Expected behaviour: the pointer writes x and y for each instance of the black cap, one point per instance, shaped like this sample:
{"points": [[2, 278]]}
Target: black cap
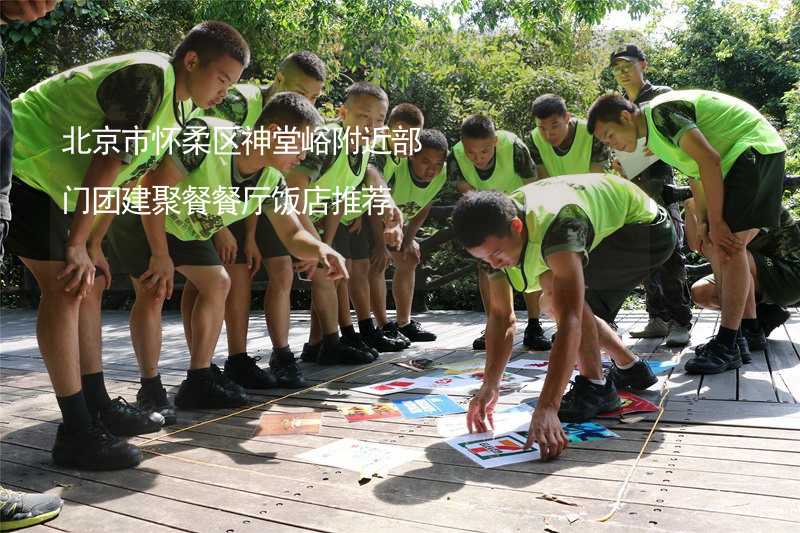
{"points": [[628, 52]]}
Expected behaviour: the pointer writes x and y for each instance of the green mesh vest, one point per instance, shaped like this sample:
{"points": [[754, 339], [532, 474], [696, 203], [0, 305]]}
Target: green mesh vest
{"points": [[577, 160], [409, 197], [504, 178]]}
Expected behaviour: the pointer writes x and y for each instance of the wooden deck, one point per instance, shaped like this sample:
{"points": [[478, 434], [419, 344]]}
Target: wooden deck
{"points": [[725, 455]]}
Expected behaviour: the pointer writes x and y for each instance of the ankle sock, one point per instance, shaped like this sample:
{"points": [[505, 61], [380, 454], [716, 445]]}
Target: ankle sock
{"points": [[74, 412], [727, 337], [601, 382], [94, 391], [348, 331], [199, 374], [629, 365], [366, 326], [330, 341], [153, 383], [750, 325]]}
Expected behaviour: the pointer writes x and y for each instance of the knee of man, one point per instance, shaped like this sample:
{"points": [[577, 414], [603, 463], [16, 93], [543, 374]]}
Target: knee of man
{"points": [[703, 293], [281, 273]]}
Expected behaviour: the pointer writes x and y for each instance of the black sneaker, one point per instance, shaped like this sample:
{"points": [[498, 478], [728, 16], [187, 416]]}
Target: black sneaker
{"points": [[357, 341], [391, 330], [480, 342], [310, 352], [744, 349], [534, 338], [243, 370], [203, 393], [585, 400], [287, 373], [713, 358], [219, 377], [770, 316], [756, 340], [94, 449], [637, 377], [344, 354], [19, 509], [126, 420], [415, 333], [377, 340], [155, 399]]}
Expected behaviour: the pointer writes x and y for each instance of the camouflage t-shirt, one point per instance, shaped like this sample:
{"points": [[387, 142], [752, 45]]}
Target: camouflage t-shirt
{"points": [[673, 119], [234, 106], [523, 165], [570, 231], [129, 98], [600, 152], [325, 150], [782, 242]]}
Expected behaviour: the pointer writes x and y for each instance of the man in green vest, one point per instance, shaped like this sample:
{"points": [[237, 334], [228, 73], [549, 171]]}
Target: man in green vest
{"points": [[495, 160], [587, 240], [416, 181], [76, 136], [736, 161], [404, 124], [560, 143], [253, 241], [339, 163], [774, 267], [245, 175], [669, 303]]}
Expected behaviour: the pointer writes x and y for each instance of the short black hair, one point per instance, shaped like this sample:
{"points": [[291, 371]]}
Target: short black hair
{"points": [[548, 105], [408, 113], [212, 39], [479, 215], [477, 126], [306, 62], [433, 139], [607, 108], [365, 88], [289, 109]]}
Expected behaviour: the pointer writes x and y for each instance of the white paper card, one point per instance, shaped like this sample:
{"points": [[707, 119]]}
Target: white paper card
{"points": [[633, 163]]}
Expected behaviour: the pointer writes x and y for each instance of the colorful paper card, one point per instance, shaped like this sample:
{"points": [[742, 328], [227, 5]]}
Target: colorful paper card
{"points": [[366, 458], [458, 367], [529, 364], [630, 404], [492, 450], [357, 413], [443, 382], [660, 367], [389, 387], [430, 405], [288, 423], [587, 431], [515, 418]]}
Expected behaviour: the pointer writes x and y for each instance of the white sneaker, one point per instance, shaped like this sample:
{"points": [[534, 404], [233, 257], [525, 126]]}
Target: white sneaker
{"points": [[655, 327], [678, 335]]}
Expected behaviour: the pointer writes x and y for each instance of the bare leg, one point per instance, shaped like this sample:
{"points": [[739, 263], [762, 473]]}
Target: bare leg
{"points": [[532, 302], [237, 308], [403, 285], [377, 293], [90, 339], [208, 313], [589, 363], [277, 299], [359, 287], [188, 298], [145, 324], [735, 284]]}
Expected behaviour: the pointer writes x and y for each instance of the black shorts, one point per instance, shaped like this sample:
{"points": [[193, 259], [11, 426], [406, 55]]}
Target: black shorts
{"points": [[131, 251], [754, 191], [41, 229], [354, 245], [267, 240], [623, 260]]}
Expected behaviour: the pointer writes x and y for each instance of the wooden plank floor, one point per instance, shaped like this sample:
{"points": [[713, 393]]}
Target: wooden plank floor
{"points": [[725, 455]]}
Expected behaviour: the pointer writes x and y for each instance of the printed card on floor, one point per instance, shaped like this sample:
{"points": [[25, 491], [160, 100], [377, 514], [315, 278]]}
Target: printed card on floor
{"points": [[430, 405], [389, 387], [460, 367], [490, 450], [587, 431], [515, 418], [442, 382], [660, 367], [529, 364], [366, 458], [357, 413], [630, 404], [288, 423]]}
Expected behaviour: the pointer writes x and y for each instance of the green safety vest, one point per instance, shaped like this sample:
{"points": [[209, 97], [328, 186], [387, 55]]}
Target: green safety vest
{"points": [[45, 114], [216, 173], [730, 125], [390, 165], [409, 197], [504, 178], [339, 178], [255, 103], [577, 160], [609, 201]]}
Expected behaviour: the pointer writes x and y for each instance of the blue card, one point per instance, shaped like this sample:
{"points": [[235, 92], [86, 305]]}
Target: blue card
{"points": [[660, 367], [430, 405], [587, 431]]}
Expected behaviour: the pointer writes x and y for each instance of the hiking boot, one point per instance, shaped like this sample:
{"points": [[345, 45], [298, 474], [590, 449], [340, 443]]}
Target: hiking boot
{"points": [[155, 399], [656, 327], [480, 342], [534, 338], [205, 393], [310, 352], [744, 349], [637, 377], [391, 330], [770, 316], [585, 400], [413, 330], [19, 509], [94, 449], [678, 335], [713, 358], [219, 377], [286, 371], [126, 420], [243, 370], [344, 354]]}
